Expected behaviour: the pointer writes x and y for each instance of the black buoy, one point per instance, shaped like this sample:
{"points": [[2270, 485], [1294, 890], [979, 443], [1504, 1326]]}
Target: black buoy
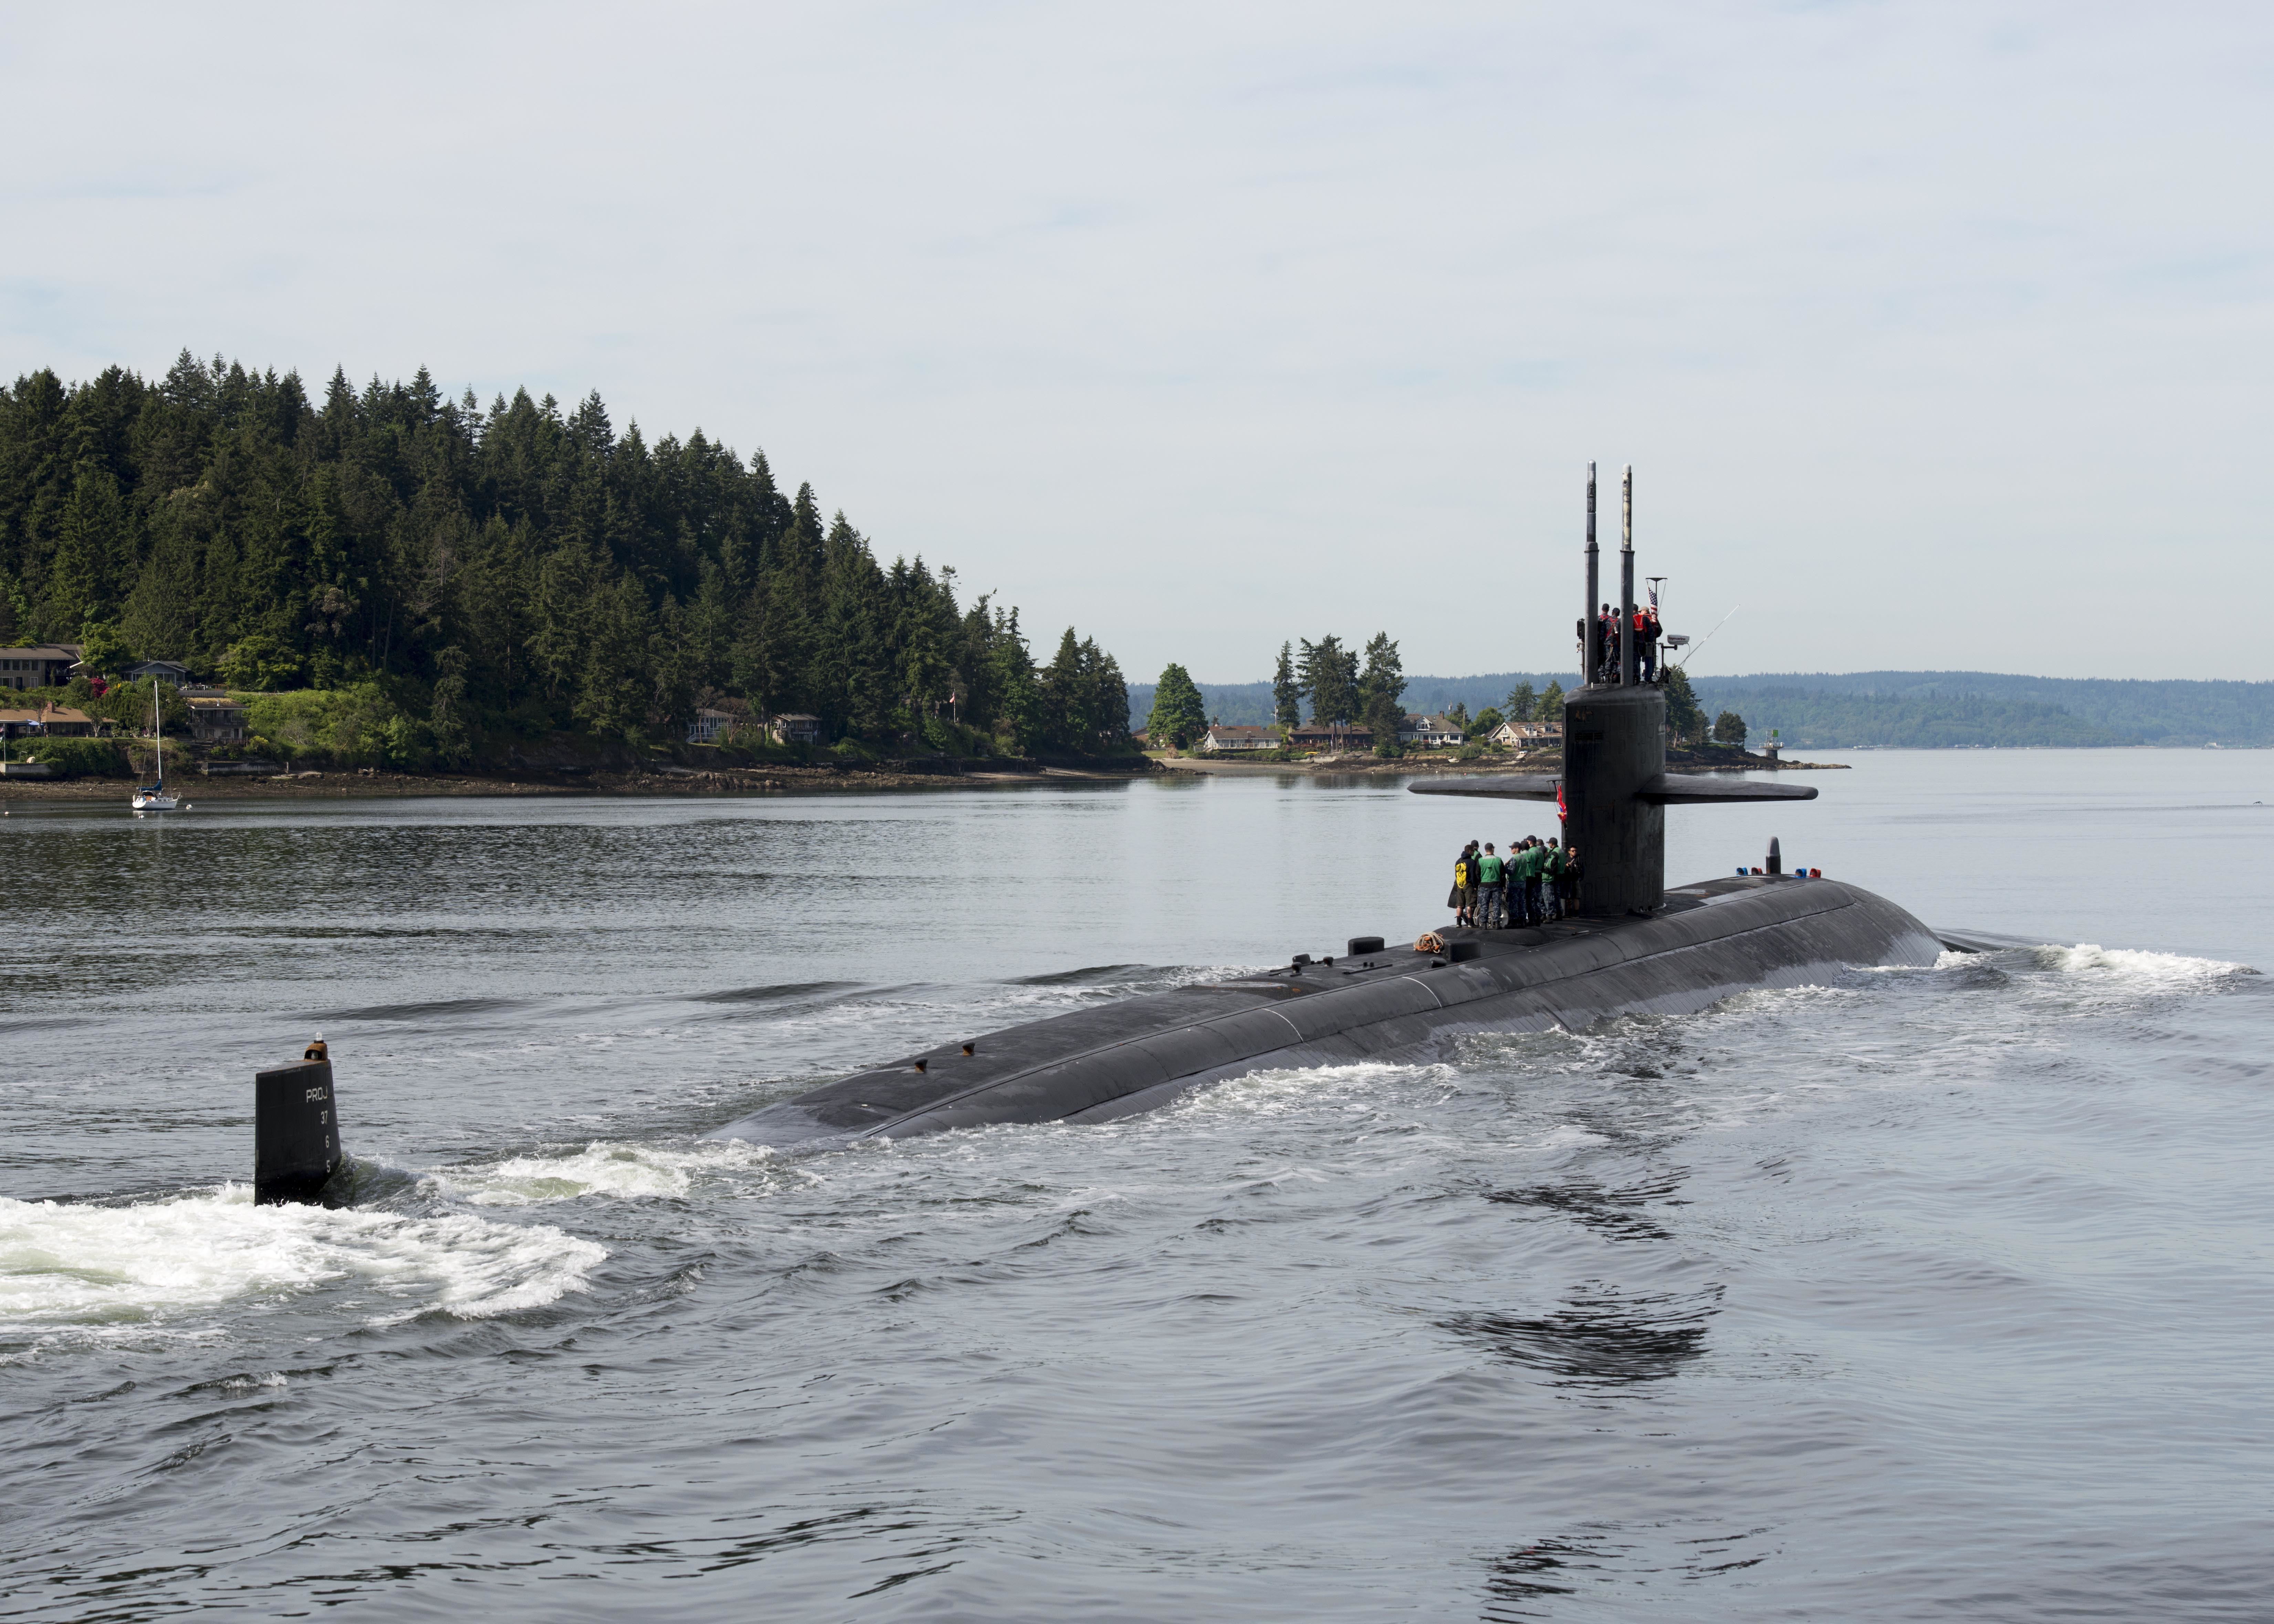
{"points": [[1776, 856], [296, 1131]]}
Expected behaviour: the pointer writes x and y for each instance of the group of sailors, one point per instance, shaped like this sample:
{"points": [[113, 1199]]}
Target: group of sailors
{"points": [[1647, 631], [1535, 882]]}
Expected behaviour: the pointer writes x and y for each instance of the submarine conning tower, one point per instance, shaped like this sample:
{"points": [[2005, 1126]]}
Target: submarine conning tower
{"points": [[1614, 750], [1614, 787], [1614, 745]]}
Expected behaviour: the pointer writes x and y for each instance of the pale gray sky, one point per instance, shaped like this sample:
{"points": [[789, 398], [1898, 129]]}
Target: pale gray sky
{"points": [[1939, 334]]}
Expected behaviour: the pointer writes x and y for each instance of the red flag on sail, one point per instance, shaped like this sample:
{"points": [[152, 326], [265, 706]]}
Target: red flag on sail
{"points": [[1562, 815]]}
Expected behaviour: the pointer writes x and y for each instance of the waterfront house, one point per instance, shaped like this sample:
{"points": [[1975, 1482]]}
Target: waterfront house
{"points": [[1528, 735], [794, 727], [1429, 731], [216, 720], [47, 722], [709, 726], [1330, 736], [46, 664], [1233, 741]]}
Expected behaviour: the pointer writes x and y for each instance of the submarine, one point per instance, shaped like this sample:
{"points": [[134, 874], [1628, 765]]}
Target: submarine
{"points": [[1630, 945]]}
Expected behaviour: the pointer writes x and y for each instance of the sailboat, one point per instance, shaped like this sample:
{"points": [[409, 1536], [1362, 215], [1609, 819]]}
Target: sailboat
{"points": [[153, 797]]}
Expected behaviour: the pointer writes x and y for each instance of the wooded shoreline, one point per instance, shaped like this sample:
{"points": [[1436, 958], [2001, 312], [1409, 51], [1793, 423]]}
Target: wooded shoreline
{"points": [[771, 779]]}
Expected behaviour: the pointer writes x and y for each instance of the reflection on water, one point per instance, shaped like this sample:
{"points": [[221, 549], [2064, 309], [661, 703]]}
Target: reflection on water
{"points": [[1600, 1335], [1621, 1213], [1954, 1278], [1522, 1583]]}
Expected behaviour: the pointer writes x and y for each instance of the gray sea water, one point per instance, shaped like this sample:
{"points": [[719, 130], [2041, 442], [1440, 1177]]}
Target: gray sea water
{"points": [[1934, 1294]]}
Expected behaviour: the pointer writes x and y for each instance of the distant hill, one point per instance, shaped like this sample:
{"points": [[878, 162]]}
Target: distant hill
{"points": [[1925, 708], [1910, 709]]}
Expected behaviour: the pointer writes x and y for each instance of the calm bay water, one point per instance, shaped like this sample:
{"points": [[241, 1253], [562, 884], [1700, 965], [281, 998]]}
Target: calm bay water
{"points": [[1931, 1294]]}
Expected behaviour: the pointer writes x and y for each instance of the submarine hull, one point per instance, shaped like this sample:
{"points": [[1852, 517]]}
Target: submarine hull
{"points": [[1708, 941]]}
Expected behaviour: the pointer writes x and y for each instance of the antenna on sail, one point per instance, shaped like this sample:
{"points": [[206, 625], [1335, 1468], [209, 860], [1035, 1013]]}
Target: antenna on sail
{"points": [[1590, 653], [1626, 580]]}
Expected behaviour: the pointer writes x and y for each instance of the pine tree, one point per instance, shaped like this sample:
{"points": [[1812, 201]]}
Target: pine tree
{"points": [[446, 715], [1286, 693], [160, 616], [1519, 707], [1685, 719], [611, 685], [95, 554], [1328, 673], [1104, 703], [1011, 675], [1381, 693], [1056, 686], [1179, 717]]}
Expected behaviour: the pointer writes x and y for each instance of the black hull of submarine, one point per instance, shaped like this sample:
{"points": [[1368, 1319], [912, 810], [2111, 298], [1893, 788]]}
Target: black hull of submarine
{"points": [[1708, 942]]}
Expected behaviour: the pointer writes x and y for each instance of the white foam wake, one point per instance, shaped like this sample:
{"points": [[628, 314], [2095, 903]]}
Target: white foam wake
{"points": [[162, 1261], [603, 1168], [1282, 1090], [2145, 969]]}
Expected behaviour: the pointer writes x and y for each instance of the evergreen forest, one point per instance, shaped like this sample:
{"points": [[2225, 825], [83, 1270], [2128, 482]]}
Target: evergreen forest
{"points": [[474, 576]]}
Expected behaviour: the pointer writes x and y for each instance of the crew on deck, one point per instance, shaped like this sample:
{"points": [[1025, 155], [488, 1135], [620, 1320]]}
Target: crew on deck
{"points": [[1534, 882], [1492, 893], [1603, 657], [1463, 899]]}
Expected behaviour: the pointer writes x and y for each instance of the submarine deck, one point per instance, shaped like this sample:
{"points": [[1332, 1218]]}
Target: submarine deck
{"points": [[1711, 938]]}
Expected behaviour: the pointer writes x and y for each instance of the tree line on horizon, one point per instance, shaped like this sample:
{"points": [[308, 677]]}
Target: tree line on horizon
{"points": [[517, 570], [1328, 678], [1328, 675]]}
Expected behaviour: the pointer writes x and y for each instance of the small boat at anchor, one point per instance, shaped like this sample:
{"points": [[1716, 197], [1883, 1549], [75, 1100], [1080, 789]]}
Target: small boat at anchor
{"points": [[153, 797]]}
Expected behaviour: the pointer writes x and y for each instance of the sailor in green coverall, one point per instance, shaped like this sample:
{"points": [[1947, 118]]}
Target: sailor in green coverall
{"points": [[1492, 902], [1520, 884]]}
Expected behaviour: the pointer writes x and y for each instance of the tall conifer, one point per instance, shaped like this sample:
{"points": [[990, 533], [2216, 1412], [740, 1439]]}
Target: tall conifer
{"points": [[1286, 692]]}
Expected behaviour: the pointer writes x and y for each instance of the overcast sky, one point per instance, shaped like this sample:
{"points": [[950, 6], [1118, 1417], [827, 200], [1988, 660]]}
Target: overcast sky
{"points": [[1939, 334]]}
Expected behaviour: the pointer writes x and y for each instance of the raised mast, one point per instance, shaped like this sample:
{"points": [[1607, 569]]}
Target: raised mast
{"points": [[1626, 581], [1589, 654]]}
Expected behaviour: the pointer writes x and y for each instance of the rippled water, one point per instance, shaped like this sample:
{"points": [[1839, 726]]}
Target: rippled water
{"points": [[1931, 1294]]}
